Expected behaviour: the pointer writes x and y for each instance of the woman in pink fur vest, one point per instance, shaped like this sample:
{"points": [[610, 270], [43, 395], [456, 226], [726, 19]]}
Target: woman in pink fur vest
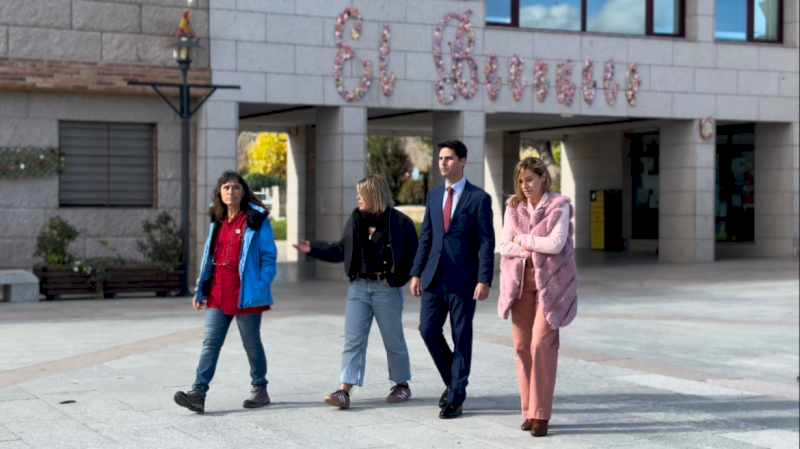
{"points": [[537, 285]]}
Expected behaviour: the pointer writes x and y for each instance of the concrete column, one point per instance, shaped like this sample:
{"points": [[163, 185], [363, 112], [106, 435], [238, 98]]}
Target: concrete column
{"points": [[511, 144], [295, 191], [217, 130], [590, 162], [776, 179], [468, 127], [494, 177], [700, 20], [341, 162], [686, 206]]}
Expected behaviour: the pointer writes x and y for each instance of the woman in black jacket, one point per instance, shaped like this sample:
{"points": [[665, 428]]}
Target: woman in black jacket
{"points": [[378, 248]]}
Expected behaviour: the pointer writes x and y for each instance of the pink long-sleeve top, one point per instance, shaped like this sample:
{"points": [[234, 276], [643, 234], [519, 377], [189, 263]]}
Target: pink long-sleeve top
{"points": [[549, 244]]}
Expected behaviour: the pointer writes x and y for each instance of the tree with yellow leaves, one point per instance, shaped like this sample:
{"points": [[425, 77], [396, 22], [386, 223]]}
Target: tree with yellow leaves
{"points": [[267, 154]]}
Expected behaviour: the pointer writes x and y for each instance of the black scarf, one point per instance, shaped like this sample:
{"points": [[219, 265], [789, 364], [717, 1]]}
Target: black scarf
{"points": [[361, 224]]}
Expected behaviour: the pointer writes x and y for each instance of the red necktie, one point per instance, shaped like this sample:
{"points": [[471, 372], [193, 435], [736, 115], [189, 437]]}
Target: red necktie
{"points": [[448, 207]]}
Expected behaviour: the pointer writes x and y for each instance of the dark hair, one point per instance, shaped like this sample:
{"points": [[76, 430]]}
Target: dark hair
{"points": [[218, 210], [455, 145]]}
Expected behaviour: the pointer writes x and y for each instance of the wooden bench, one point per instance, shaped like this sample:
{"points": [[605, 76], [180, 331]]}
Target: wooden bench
{"points": [[19, 285]]}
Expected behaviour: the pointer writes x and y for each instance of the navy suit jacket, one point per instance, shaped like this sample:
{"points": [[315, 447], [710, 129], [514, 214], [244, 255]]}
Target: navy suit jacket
{"points": [[466, 251]]}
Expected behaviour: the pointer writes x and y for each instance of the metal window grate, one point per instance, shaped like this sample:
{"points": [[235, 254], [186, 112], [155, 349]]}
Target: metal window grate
{"points": [[107, 164]]}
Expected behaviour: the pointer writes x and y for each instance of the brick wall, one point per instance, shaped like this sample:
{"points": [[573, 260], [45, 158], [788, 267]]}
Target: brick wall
{"points": [[95, 77]]}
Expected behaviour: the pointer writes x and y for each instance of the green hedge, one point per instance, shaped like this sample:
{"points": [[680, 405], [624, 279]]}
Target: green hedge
{"points": [[279, 229], [258, 181]]}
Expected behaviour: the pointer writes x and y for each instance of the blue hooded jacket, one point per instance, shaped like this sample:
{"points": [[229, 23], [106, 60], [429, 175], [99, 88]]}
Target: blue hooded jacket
{"points": [[256, 266]]}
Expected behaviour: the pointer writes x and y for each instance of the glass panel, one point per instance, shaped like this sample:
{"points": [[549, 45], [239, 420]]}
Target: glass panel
{"points": [[666, 16], [550, 14], [615, 16], [498, 11], [731, 20], [765, 21], [735, 215], [644, 172]]}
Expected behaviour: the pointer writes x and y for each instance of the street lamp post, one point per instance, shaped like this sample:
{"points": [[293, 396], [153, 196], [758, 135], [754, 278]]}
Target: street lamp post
{"points": [[183, 52]]}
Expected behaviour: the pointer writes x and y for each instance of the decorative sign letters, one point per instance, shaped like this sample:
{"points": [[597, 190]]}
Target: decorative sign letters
{"points": [[466, 84]]}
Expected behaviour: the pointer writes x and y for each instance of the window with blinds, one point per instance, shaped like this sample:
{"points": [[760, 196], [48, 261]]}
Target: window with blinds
{"points": [[107, 164]]}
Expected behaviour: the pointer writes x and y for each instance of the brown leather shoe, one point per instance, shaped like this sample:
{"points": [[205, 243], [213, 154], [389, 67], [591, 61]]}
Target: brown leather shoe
{"points": [[527, 425], [539, 428]]}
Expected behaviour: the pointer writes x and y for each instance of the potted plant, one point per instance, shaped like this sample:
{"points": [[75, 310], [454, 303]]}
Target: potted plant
{"points": [[59, 273], [163, 266]]}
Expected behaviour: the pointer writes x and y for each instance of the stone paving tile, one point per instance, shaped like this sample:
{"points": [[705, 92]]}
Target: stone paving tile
{"points": [[31, 410], [693, 440], [417, 435], [97, 410], [152, 437], [60, 433], [6, 435], [682, 386], [18, 444], [772, 438], [597, 404], [14, 393]]}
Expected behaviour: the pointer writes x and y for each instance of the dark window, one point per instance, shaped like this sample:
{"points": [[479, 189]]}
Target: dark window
{"points": [[749, 20], [735, 214], [644, 173], [107, 164], [638, 17]]}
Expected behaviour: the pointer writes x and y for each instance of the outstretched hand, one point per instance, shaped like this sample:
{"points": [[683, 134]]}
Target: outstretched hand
{"points": [[304, 246]]}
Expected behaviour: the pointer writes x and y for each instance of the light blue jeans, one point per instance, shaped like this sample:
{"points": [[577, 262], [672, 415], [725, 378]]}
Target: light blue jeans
{"points": [[365, 299], [217, 324]]}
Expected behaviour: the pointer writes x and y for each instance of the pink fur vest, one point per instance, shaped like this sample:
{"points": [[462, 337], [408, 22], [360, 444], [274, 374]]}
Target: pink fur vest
{"points": [[555, 273]]}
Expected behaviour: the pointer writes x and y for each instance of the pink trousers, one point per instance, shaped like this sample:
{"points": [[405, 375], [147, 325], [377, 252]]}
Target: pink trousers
{"points": [[536, 347]]}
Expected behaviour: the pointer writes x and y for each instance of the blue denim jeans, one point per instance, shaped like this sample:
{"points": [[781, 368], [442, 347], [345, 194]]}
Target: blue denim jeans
{"points": [[217, 324], [365, 299]]}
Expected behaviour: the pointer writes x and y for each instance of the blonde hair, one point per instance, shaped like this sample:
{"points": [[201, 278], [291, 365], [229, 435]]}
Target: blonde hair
{"points": [[375, 188], [535, 165]]}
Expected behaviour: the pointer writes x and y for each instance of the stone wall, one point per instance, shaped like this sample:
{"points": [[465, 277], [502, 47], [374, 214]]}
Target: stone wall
{"points": [[129, 31], [283, 52], [30, 118]]}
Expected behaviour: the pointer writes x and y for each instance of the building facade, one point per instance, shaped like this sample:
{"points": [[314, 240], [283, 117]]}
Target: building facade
{"points": [[690, 118]]}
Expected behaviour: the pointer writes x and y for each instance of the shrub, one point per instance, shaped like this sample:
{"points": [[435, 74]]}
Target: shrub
{"points": [[386, 155], [258, 181], [418, 227], [163, 243], [412, 192], [279, 229], [53, 239]]}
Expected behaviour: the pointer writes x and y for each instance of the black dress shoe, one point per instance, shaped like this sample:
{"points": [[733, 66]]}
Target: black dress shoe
{"points": [[450, 412], [443, 399]]}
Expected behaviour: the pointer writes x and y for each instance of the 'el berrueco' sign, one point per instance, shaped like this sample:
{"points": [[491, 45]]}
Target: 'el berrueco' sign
{"points": [[461, 56]]}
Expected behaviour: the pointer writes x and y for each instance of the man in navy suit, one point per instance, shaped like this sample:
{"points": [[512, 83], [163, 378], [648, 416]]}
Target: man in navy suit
{"points": [[452, 270]]}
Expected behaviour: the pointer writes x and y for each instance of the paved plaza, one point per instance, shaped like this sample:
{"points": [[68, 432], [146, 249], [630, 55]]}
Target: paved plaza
{"points": [[660, 356]]}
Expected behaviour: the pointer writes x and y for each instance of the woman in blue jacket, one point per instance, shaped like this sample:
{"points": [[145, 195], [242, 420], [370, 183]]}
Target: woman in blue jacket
{"points": [[235, 277]]}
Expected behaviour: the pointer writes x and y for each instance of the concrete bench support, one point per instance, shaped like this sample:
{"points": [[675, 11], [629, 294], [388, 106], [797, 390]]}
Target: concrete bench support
{"points": [[19, 285]]}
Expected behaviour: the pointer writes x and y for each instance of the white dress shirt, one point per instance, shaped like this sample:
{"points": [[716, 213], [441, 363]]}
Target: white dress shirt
{"points": [[458, 189]]}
